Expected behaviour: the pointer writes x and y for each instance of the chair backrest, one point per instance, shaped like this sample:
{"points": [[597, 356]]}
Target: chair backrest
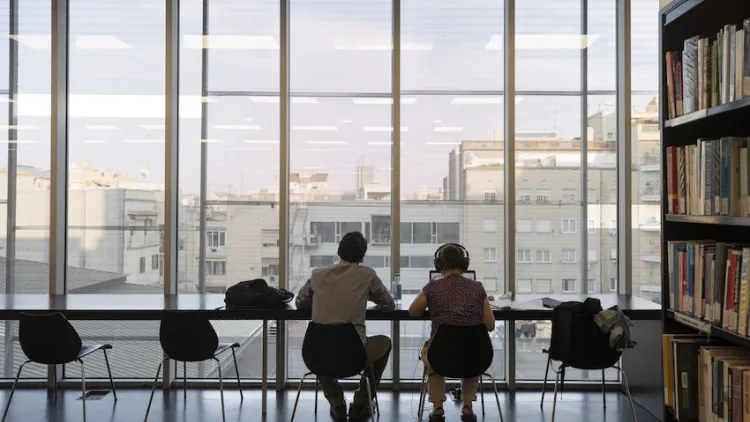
{"points": [[48, 338], [334, 351], [187, 337], [577, 341], [460, 351]]}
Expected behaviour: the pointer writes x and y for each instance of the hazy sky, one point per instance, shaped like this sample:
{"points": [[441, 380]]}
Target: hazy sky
{"points": [[451, 81]]}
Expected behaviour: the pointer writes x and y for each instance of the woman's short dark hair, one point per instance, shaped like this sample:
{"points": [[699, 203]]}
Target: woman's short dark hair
{"points": [[353, 247], [451, 257]]}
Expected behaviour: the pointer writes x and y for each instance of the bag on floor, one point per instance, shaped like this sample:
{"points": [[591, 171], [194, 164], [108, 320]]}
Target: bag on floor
{"points": [[256, 294]]}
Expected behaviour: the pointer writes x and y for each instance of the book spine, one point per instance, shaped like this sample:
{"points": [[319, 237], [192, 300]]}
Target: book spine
{"points": [[683, 281], [709, 285], [746, 56], [729, 291], [746, 396], [719, 281], [735, 174], [670, 86], [690, 75], [742, 319], [725, 56], [682, 180], [747, 182], [708, 177], [716, 177], [732, 60], [742, 199], [677, 59], [715, 72], [725, 175], [739, 54], [701, 180], [701, 75], [737, 276], [698, 282], [689, 277]]}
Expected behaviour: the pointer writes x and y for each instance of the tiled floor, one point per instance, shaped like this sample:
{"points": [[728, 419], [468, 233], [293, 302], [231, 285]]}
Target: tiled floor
{"points": [[204, 405]]}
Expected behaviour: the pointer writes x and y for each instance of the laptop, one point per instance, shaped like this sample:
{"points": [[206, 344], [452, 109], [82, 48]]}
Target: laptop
{"points": [[437, 275]]}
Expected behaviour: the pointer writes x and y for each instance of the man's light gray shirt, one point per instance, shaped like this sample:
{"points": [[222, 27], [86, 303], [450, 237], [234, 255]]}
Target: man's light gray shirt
{"points": [[338, 295]]}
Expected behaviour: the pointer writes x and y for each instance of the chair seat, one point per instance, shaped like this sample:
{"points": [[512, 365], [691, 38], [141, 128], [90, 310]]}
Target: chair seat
{"points": [[88, 349], [223, 347]]}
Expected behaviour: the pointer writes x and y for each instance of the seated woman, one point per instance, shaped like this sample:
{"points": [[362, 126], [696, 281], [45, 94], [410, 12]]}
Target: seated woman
{"points": [[453, 300]]}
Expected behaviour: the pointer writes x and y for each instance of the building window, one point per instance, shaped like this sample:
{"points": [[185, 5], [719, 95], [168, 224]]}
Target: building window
{"points": [[593, 255], [543, 256], [592, 226], [490, 254], [568, 285], [320, 261], [523, 285], [381, 229], [524, 195], [142, 266], [448, 232], [490, 196], [422, 233], [406, 233], [613, 284], [490, 225], [216, 239], [524, 256], [490, 283], [591, 286], [216, 267], [543, 226], [543, 285], [523, 225], [613, 196], [569, 225], [155, 262], [569, 196], [543, 196], [568, 255], [420, 262], [613, 254], [593, 196], [326, 232], [613, 228], [377, 261]]}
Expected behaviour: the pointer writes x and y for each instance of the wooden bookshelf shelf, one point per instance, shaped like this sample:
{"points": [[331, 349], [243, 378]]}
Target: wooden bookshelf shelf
{"points": [[709, 219], [709, 329], [722, 110]]}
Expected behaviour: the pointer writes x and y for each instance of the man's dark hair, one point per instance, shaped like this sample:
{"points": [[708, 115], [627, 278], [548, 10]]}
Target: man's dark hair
{"points": [[451, 257], [352, 247]]}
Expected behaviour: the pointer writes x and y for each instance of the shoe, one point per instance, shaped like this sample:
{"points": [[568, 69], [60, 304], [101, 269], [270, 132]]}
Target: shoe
{"points": [[358, 412], [437, 416], [468, 417], [338, 413]]}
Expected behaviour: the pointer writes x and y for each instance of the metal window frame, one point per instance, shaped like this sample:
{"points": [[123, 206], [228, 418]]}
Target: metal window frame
{"points": [[59, 154]]}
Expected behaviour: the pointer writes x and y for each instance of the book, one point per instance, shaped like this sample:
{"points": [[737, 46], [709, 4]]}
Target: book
{"points": [[736, 374], [677, 69], [746, 395], [744, 293], [720, 268], [706, 357], [668, 363], [725, 63], [670, 86], [715, 72], [685, 366], [682, 180], [732, 60], [726, 384], [708, 170], [746, 57], [672, 204], [739, 54], [690, 75], [743, 182]]}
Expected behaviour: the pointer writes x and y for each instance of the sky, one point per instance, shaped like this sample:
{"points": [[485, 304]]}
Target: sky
{"points": [[340, 75]]}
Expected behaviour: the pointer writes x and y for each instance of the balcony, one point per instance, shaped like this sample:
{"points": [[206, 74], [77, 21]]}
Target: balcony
{"points": [[651, 258], [381, 239], [650, 227]]}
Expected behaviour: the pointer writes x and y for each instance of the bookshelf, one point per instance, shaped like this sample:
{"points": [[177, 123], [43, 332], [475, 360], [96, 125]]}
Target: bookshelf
{"points": [[679, 21]]}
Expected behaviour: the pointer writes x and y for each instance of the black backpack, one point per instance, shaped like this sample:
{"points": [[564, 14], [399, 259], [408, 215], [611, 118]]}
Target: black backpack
{"points": [[576, 339], [256, 294]]}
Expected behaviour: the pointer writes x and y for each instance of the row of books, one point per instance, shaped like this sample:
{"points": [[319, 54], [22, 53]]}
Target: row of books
{"points": [[705, 382], [709, 178], [709, 281], [709, 71]]}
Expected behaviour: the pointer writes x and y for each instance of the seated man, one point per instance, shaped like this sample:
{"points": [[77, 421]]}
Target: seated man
{"points": [[338, 295]]}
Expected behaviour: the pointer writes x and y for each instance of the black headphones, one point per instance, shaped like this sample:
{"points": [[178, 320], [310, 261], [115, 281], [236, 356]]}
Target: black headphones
{"points": [[439, 264]]}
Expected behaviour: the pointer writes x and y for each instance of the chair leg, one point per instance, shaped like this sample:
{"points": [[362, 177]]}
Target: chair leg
{"points": [[497, 396], [422, 391], [299, 390], [109, 371], [83, 389], [481, 392], [554, 396], [54, 386], [317, 386], [153, 388], [369, 399], [221, 389], [237, 371], [377, 404], [13, 390], [627, 390], [604, 396], [544, 386], [184, 380]]}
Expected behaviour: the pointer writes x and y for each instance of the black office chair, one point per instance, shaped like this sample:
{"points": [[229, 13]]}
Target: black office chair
{"points": [[580, 344], [187, 337], [334, 351], [49, 339], [461, 352]]}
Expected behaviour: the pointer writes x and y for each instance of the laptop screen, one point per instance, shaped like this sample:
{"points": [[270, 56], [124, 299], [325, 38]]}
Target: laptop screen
{"points": [[437, 275]]}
